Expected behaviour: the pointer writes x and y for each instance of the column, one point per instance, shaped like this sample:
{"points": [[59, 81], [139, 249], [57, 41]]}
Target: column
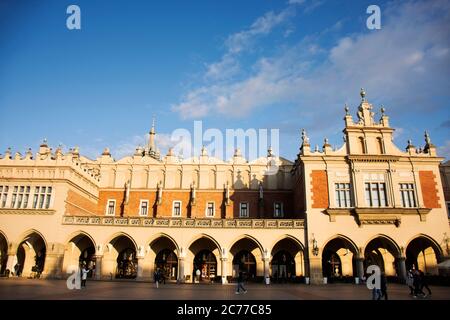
{"points": [[224, 270], [315, 270], [180, 277], [266, 261], [98, 267], [402, 268], [12, 260], [53, 265], [360, 267], [140, 267]]}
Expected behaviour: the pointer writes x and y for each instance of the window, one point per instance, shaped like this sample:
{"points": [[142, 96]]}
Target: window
{"points": [[278, 210], [243, 210], [343, 199], [176, 210], [210, 209], [407, 192], [42, 197], [111, 208], [376, 194], [143, 208], [14, 197], [3, 194]]}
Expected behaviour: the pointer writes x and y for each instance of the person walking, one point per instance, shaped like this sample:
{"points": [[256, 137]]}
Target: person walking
{"points": [[84, 273], [240, 282], [383, 287], [156, 276], [410, 282], [424, 283]]}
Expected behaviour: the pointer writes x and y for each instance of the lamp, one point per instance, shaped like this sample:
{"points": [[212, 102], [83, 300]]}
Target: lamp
{"points": [[315, 248]]}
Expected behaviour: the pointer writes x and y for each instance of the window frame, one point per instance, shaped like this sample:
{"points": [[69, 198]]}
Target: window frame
{"points": [[410, 192], [247, 209], [281, 215], [346, 191], [146, 208], [173, 208], [380, 193], [107, 207], [213, 209]]}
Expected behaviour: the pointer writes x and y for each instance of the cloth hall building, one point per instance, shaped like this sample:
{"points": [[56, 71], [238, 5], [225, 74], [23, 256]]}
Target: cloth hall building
{"points": [[328, 214]]}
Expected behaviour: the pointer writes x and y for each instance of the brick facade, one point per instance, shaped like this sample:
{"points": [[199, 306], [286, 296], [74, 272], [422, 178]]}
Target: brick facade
{"points": [[429, 189], [77, 204], [319, 189]]}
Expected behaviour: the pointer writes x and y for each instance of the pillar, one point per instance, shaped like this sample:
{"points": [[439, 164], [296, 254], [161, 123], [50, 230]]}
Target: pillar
{"points": [[181, 277], [224, 270], [315, 270], [12, 260], [140, 265], [402, 268], [98, 267], [360, 267], [53, 265]]}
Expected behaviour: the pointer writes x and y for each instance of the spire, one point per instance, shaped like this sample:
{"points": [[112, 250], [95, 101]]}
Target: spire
{"points": [[363, 94], [151, 140]]}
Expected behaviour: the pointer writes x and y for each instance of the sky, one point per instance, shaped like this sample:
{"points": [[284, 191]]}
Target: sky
{"points": [[262, 64]]}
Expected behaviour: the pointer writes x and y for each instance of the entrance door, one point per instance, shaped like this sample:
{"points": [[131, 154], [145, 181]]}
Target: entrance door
{"points": [[167, 261], [205, 261]]}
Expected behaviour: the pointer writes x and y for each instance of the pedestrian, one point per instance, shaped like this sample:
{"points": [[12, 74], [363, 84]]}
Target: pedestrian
{"points": [[417, 283], [424, 283], [383, 287], [240, 282], [156, 276], [410, 282], [84, 273]]}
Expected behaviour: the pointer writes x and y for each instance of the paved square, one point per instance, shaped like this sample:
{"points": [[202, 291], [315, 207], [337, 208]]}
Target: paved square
{"points": [[129, 290]]}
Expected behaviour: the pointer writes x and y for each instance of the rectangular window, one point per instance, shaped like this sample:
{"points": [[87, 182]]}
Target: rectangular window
{"points": [[210, 209], [111, 209], [408, 195], [144, 208], [343, 199], [243, 210], [176, 210], [278, 210], [35, 200], [4, 195], [376, 194]]}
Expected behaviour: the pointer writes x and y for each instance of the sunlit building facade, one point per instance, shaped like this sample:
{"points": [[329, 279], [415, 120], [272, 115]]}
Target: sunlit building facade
{"points": [[326, 215]]}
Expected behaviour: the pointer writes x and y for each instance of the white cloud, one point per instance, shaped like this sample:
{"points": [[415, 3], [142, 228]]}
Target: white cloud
{"points": [[404, 64], [444, 151]]}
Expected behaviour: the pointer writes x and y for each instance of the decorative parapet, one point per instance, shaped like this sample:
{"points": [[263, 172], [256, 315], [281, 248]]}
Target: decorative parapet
{"points": [[377, 215], [186, 222], [28, 211]]}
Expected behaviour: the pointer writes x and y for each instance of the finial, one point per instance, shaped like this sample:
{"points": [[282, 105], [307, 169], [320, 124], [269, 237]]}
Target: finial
{"points": [[409, 142], [317, 148], [325, 141], [305, 138], [170, 152], [427, 138], [237, 152], [346, 108], [204, 151], [106, 152], [363, 94], [270, 152], [382, 110]]}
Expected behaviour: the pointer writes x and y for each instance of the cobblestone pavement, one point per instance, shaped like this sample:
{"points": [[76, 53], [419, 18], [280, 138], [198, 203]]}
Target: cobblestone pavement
{"points": [[14, 288]]}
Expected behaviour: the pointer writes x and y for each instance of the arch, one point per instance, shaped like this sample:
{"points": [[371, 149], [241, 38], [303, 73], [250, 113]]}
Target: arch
{"points": [[345, 239], [290, 237], [207, 236], [30, 254], [3, 253], [383, 251], [28, 233], [4, 236], [121, 234], [339, 255], [160, 235], [423, 253], [287, 259], [78, 233], [249, 237]]}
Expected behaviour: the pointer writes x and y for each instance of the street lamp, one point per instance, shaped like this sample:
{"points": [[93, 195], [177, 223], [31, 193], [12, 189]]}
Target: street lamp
{"points": [[315, 248]]}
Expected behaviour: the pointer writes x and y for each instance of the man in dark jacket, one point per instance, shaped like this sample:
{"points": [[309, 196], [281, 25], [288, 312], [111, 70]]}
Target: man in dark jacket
{"points": [[240, 283]]}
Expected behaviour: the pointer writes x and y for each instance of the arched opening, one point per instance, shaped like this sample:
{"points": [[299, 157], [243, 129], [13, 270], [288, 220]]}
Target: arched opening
{"points": [[31, 256], [339, 260], [205, 256], [244, 261], [3, 254], [164, 256], [287, 262], [80, 251], [247, 258], [167, 261], [384, 253], [423, 254], [124, 251], [205, 262]]}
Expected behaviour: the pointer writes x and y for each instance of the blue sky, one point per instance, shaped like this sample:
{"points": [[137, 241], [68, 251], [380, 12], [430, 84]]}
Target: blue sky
{"points": [[232, 64]]}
